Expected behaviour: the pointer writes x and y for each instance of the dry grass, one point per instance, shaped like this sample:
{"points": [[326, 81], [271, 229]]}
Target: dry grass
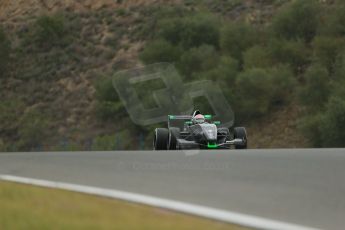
{"points": [[29, 207]]}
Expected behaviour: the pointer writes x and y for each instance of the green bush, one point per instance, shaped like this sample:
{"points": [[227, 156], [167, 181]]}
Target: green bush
{"points": [[105, 90], [334, 24], [314, 94], [293, 53], [119, 141], [108, 110], [224, 73], [325, 127], [2, 146], [10, 111], [50, 29], [297, 20], [121, 12], [191, 31], [254, 88], [160, 51], [236, 38], [148, 100], [105, 143], [257, 90], [171, 30], [198, 59], [108, 104], [333, 124], [33, 130], [327, 49], [284, 83], [4, 52], [257, 57], [339, 67], [310, 126]]}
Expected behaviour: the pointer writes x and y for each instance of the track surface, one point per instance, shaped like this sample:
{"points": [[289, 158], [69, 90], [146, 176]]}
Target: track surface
{"points": [[305, 187]]}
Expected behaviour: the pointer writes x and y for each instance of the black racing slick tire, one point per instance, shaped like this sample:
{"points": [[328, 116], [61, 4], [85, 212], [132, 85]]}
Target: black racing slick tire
{"points": [[174, 134], [160, 139], [241, 133]]}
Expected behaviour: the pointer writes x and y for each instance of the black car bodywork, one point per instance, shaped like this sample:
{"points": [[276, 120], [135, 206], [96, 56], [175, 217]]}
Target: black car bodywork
{"points": [[182, 133]]}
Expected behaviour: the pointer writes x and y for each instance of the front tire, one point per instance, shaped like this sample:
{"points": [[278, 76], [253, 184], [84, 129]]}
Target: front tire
{"points": [[174, 134], [241, 133], [160, 139]]}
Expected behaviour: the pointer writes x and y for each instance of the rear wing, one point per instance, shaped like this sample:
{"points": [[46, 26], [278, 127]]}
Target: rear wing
{"points": [[178, 120], [179, 117], [187, 119]]}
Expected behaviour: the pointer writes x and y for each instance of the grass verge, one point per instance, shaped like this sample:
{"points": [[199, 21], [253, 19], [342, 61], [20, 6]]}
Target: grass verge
{"points": [[30, 207]]}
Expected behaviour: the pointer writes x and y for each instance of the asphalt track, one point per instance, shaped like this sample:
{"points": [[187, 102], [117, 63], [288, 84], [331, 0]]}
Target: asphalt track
{"points": [[300, 186]]}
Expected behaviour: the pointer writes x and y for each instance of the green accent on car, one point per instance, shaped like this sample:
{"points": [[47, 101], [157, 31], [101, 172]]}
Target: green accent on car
{"points": [[171, 117], [188, 122], [216, 122], [208, 116], [212, 145]]}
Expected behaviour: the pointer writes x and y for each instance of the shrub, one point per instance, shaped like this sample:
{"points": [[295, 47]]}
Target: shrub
{"points": [[121, 11], [108, 110], [297, 20], [256, 57], [236, 38], [339, 67], [108, 105], [50, 29], [148, 100], [33, 130], [283, 83], [119, 141], [333, 124], [4, 52], [334, 24], [327, 49], [104, 143], [254, 91], [198, 59], [105, 90], [293, 53], [259, 89], [171, 30], [2, 146], [10, 111], [326, 128], [191, 31], [310, 126], [314, 94], [160, 51], [224, 73]]}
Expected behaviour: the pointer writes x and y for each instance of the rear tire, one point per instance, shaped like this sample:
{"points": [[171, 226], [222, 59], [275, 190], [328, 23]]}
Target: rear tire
{"points": [[241, 133], [160, 139], [174, 134]]}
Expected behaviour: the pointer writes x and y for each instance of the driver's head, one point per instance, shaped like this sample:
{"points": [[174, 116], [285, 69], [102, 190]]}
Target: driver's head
{"points": [[198, 119]]}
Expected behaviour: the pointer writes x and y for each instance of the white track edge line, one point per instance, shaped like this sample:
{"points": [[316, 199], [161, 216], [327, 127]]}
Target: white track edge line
{"points": [[202, 211]]}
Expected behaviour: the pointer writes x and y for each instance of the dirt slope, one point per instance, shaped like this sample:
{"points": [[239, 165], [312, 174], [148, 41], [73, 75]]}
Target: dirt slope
{"points": [[71, 94]]}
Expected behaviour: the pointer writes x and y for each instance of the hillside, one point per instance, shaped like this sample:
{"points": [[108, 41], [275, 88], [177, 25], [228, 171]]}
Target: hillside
{"points": [[49, 89]]}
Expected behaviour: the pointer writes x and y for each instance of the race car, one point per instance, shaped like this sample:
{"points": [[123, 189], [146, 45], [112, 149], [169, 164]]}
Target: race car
{"points": [[198, 131]]}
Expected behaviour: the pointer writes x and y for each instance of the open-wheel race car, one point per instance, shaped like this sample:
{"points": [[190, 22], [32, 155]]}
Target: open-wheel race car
{"points": [[198, 131]]}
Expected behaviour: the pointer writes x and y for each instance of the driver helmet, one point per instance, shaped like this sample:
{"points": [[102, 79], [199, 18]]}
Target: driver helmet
{"points": [[199, 119]]}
